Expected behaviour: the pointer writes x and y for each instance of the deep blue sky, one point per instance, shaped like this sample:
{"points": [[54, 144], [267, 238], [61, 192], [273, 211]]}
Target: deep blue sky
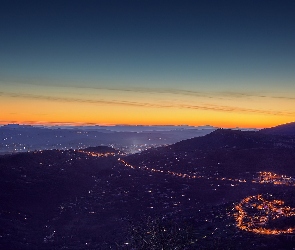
{"points": [[237, 47]]}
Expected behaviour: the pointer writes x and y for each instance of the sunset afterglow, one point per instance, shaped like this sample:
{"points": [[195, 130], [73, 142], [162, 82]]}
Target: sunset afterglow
{"points": [[224, 64]]}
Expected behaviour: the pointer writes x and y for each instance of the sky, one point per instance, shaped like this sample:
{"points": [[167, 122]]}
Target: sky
{"points": [[144, 62]]}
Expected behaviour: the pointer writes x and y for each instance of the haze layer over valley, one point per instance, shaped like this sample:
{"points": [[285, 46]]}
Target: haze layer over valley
{"points": [[130, 139]]}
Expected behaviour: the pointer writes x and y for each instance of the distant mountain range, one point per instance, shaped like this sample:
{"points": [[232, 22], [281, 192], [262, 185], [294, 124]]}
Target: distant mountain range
{"points": [[115, 128], [131, 139], [23, 138]]}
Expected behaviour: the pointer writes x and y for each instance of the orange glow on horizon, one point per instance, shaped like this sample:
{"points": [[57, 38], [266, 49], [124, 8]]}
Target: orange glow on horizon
{"points": [[40, 111], [79, 123]]}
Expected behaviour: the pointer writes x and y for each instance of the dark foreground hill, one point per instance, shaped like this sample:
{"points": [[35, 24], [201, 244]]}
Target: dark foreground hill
{"points": [[37, 187], [181, 196]]}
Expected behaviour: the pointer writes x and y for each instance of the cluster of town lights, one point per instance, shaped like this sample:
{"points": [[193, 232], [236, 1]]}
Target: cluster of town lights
{"points": [[273, 178], [94, 154], [255, 212]]}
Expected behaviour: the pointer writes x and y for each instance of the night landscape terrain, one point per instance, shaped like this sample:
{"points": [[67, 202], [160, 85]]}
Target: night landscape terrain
{"points": [[229, 189]]}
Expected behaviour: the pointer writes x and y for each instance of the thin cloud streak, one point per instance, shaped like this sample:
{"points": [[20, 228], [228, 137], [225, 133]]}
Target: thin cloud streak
{"points": [[242, 95], [208, 107], [144, 90], [120, 89]]}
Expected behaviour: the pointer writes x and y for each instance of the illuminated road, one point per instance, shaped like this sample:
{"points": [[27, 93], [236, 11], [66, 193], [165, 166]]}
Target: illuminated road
{"points": [[94, 154], [178, 174]]}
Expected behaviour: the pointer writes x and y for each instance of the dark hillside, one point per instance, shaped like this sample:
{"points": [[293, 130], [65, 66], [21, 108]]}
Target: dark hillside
{"points": [[236, 139], [89, 199], [226, 152], [285, 129]]}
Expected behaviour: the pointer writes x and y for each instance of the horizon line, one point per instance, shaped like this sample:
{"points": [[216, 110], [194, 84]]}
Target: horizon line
{"points": [[81, 124]]}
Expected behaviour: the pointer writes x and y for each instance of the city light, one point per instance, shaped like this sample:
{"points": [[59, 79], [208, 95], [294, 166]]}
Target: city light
{"points": [[255, 212]]}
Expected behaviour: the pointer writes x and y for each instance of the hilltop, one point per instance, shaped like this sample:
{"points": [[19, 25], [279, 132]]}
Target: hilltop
{"points": [[284, 129]]}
